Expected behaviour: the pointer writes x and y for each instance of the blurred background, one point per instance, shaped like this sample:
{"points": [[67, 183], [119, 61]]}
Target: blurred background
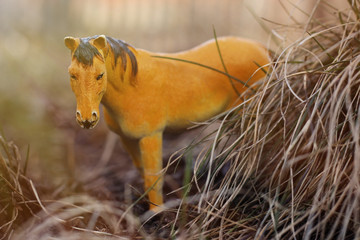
{"points": [[37, 107]]}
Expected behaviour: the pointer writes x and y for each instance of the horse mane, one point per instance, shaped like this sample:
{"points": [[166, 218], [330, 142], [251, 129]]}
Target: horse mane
{"points": [[85, 53], [121, 49]]}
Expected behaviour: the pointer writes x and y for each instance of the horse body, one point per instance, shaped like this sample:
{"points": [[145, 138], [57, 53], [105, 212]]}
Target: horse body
{"points": [[143, 99]]}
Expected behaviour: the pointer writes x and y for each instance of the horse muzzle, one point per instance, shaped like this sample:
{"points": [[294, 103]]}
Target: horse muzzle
{"points": [[87, 123]]}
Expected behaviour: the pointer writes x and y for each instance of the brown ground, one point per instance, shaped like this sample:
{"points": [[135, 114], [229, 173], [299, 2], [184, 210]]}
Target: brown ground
{"points": [[105, 171]]}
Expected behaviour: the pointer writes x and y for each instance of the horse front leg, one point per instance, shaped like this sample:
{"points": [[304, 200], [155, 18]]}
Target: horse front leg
{"points": [[151, 155], [132, 147]]}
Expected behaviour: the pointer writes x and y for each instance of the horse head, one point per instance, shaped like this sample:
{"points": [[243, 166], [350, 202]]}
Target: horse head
{"points": [[88, 77]]}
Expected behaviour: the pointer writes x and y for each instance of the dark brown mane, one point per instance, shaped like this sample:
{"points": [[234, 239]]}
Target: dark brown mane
{"points": [[85, 53], [120, 49]]}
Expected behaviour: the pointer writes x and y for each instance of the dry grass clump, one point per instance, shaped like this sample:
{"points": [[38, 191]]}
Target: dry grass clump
{"points": [[27, 210], [286, 163], [15, 190]]}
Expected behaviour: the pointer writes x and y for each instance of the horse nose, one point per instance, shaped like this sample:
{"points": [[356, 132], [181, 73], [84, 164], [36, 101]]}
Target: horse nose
{"points": [[78, 116], [94, 116], [87, 123]]}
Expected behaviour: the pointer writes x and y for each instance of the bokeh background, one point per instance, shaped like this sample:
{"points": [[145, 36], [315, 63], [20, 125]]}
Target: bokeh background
{"points": [[37, 107]]}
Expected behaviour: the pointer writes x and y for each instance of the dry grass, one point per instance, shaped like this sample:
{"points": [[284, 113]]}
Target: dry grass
{"points": [[28, 212], [285, 164], [291, 153]]}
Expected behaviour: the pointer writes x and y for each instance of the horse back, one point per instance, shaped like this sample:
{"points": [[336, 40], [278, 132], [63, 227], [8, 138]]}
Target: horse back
{"points": [[200, 93], [242, 57]]}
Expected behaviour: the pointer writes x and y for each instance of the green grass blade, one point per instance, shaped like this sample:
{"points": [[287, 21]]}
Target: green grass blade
{"points": [[207, 67], [223, 63], [320, 45]]}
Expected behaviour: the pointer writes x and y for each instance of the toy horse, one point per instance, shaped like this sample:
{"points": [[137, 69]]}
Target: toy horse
{"points": [[144, 95]]}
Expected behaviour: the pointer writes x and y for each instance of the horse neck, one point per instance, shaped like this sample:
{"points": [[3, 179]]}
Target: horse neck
{"points": [[115, 68], [119, 81]]}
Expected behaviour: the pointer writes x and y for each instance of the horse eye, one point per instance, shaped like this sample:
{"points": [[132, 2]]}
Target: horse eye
{"points": [[100, 76], [73, 77]]}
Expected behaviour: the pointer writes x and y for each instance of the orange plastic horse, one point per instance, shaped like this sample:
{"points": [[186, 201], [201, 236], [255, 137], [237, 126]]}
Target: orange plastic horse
{"points": [[145, 95]]}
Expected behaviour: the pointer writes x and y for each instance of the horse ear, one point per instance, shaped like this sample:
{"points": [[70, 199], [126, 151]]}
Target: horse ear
{"points": [[100, 42], [70, 43]]}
